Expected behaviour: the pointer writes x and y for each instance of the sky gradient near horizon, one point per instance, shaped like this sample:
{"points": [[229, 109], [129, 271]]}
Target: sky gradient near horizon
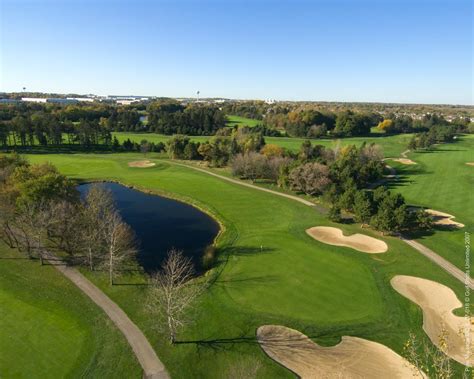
{"points": [[414, 51]]}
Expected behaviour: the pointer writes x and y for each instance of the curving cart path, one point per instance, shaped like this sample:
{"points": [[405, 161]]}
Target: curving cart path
{"points": [[152, 367]]}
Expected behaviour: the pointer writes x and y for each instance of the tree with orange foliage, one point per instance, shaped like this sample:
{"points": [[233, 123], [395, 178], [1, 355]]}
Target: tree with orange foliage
{"points": [[271, 151]]}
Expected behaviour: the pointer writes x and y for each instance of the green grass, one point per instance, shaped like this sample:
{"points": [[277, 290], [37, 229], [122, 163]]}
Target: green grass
{"points": [[242, 121], [49, 329], [322, 290], [392, 145], [441, 180]]}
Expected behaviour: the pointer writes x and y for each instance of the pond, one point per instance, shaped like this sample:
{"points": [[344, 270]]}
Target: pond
{"points": [[161, 224]]}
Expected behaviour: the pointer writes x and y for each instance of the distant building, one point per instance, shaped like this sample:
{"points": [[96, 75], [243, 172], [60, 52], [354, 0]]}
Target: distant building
{"points": [[126, 102], [81, 99], [34, 99], [9, 101], [57, 100], [61, 100]]}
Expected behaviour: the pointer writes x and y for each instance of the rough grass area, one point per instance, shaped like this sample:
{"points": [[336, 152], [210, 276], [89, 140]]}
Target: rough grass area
{"points": [[441, 180], [49, 329], [271, 272], [392, 145]]}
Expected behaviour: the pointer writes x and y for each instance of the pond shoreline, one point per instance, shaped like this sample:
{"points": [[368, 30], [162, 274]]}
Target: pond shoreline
{"points": [[220, 226]]}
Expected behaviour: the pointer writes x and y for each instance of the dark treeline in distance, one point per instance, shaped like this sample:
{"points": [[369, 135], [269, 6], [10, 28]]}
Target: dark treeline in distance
{"points": [[92, 124]]}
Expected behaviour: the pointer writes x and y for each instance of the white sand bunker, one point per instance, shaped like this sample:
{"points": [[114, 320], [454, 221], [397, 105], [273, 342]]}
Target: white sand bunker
{"points": [[443, 219], [359, 242], [438, 302], [404, 161], [142, 164], [352, 358]]}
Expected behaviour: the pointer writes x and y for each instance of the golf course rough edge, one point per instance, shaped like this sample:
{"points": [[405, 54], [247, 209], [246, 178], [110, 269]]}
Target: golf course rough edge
{"points": [[437, 303], [359, 242], [352, 358]]}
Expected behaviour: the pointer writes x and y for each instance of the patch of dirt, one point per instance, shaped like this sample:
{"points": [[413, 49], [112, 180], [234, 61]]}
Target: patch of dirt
{"points": [[470, 163], [443, 219], [352, 358], [359, 242], [438, 302], [404, 161], [141, 164]]}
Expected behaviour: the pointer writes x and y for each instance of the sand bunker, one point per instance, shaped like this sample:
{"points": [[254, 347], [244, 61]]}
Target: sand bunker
{"points": [[443, 219], [404, 161], [438, 302], [352, 358], [359, 242], [142, 164], [470, 163]]}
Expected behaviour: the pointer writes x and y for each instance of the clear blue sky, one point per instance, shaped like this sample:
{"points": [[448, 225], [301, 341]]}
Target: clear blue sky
{"points": [[359, 50]]}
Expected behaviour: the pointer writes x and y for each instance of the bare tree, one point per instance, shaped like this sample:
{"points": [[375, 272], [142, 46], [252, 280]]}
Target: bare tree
{"points": [[33, 220], [8, 231], [98, 203], [311, 178], [119, 242], [66, 227], [173, 293]]}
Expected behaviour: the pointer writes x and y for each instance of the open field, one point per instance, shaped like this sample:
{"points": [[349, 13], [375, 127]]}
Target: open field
{"points": [[49, 329], [392, 145], [242, 121], [271, 273], [441, 180]]}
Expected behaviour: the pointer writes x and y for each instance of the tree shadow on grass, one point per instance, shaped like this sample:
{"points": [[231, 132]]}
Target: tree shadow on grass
{"points": [[240, 280], [60, 149], [18, 258], [246, 337], [250, 338], [245, 250]]}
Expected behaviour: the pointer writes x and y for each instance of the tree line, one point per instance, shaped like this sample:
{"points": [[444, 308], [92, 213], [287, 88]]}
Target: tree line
{"points": [[342, 176], [41, 211], [437, 134], [88, 125], [193, 119]]}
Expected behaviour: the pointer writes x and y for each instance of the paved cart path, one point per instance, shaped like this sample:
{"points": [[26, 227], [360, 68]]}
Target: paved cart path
{"points": [[153, 368], [441, 262]]}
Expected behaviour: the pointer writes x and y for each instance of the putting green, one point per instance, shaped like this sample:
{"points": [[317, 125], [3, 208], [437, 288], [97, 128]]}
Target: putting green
{"points": [[49, 329], [27, 328]]}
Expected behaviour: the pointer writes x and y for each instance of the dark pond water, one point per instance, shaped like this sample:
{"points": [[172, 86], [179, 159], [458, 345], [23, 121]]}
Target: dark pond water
{"points": [[161, 224]]}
